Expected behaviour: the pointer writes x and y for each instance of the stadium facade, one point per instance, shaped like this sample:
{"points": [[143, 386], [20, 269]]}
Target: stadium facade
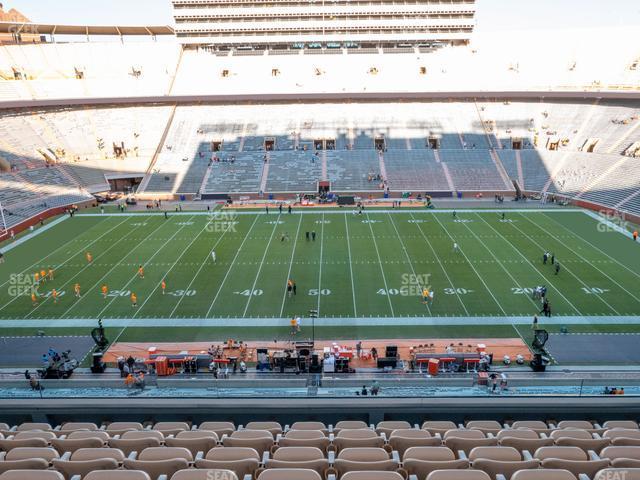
{"points": [[317, 24]]}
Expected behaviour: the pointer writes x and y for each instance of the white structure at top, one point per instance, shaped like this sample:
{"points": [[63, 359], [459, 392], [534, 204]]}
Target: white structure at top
{"points": [[323, 23]]}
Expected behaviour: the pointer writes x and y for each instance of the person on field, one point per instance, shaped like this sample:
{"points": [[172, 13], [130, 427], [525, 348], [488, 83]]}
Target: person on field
{"points": [[557, 268], [163, 285], [105, 291], [134, 300], [635, 235], [213, 256], [76, 289], [89, 257], [141, 271]]}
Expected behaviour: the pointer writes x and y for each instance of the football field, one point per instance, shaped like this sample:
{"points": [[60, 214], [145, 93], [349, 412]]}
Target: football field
{"points": [[371, 268]]}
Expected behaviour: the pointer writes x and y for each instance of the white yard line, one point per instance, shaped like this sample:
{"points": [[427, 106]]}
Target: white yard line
{"points": [[66, 245], [384, 278], [515, 282], [544, 277], [474, 269], [57, 267], [435, 255], [204, 262], [198, 322], [353, 288], [564, 266], [232, 264], [264, 255], [321, 260], [406, 254], [293, 252], [594, 266], [135, 275]]}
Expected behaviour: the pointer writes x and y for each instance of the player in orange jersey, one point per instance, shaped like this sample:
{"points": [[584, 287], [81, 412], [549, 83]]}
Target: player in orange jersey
{"points": [[54, 295], [105, 291], [34, 298], [134, 300], [43, 275], [163, 285], [141, 271], [76, 289]]}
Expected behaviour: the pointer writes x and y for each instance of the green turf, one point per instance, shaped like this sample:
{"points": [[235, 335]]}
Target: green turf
{"points": [[359, 266]]}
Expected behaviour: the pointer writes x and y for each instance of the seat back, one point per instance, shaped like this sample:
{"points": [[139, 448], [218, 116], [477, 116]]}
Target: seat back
{"points": [[458, 475], [73, 426], [274, 427], [502, 454], [609, 473], [613, 453], [78, 434], [349, 425], [372, 476], [547, 474], [118, 475], [63, 445], [289, 474], [139, 434], [31, 475], [220, 428], [298, 454], [165, 453], [133, 445], [28, 426], [28, 453], [206, 474]]}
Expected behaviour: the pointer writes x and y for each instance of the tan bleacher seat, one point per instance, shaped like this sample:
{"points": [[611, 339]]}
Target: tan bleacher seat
{"points": [[72, 426], [259, 440], [304, 438], [578, 438], [102, 435], [310, 426], [204, 475], [357, 439], [580, 425], [171, 428], [485, 426], [220, 428], [289, 474], [389, 426], [118, 475], [372, 476], [194, 440], [274, 427], [364, 459], [86, 460], [63, 445], [118, 428], [9, 444], [615, 473], [27, 458], [467, 440], [349, 425], [27, 426], [400, 440], [27, 453], [421, 461], [546, 474], [440, 427], [622, 457], [573, 459], [241, 460], [537, 426], [308, 458], [623, 436], [129, 445], [500, 460], [31, 475], [458, 475], [631, 424], [522, 439], [158, 461], [48, 436], [135, 434]]}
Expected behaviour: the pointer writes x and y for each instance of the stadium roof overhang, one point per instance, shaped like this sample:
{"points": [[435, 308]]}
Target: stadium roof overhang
{"points": [[51, 29]]}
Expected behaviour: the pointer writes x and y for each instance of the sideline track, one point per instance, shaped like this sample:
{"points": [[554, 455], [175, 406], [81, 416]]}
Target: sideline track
{"points": [[320, 322]]}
